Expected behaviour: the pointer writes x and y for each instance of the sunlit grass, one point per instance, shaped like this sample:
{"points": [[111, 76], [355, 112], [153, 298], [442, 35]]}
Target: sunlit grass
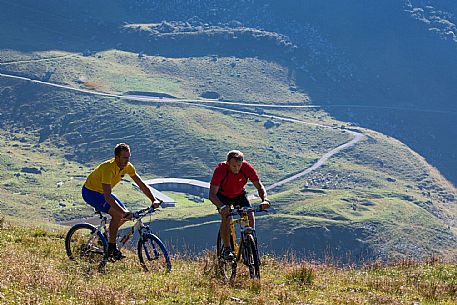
{"points": [[378, 181], [34, 269]]}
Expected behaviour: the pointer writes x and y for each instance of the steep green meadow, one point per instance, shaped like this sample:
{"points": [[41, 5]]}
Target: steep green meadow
{"points": [[350, 208], [244, 79], [376, 224]]}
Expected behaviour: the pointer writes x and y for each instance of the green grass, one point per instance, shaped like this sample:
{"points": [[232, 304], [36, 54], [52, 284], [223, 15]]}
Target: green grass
{"points": [[115, 71], [34, 269], [377, 183]]}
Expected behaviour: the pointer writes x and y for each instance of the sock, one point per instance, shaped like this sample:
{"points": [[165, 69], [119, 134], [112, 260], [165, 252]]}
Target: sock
{"points": [[111, 246]]}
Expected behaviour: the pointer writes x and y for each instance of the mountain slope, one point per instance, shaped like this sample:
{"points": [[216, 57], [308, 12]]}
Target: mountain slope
{"points": [[378, 54], [358, 194], [354, 203]]}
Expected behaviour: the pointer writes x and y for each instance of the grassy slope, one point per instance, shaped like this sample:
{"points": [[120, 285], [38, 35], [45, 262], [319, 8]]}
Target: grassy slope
{"points": [[35, 269], [247, 79], [389, 201], [377, 177]]}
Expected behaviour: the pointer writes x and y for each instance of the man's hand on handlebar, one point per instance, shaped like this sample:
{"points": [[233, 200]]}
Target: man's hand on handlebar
{"points": [[265, 204], [127, 215], [156, 203], [224, 210]]}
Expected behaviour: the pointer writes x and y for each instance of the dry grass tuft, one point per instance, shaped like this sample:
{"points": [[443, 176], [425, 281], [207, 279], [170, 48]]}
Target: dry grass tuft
{"points": [[302, 274]]}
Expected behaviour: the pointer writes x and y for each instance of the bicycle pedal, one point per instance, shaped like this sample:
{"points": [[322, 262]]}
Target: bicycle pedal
{"points": [[223, 260]]}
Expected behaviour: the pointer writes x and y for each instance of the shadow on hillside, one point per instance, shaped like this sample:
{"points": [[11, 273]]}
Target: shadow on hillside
{"points": [[399, 65], [338, 244]]}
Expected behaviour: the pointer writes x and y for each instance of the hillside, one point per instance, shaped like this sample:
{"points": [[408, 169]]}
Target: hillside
{"points": [[34, 269], [352, 193], [397, 57], [366, 202]]}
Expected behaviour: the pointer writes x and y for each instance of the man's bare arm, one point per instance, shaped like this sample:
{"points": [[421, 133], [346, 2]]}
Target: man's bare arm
{"points": [[260, 190], [145, 189], [113, 203], [213, 189]]}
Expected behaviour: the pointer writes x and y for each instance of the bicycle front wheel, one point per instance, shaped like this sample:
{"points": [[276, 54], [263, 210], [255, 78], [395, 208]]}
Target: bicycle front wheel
{"points": [[251, 258], [86, 245], [152, 254]]}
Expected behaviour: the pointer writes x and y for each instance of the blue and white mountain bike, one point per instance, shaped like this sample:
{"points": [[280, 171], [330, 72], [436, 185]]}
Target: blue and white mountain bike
{"points": [[88, 244]]}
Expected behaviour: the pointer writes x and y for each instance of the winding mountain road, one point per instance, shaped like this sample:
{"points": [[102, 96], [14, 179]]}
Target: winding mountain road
{"points": [[216, 105]]}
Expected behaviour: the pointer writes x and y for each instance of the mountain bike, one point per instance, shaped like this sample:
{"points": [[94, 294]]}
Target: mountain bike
{"points": [[88, 245], [245, 249]]}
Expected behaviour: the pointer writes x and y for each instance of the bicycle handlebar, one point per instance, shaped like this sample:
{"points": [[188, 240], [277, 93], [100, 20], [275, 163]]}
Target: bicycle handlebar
{"points": [[234, 212], [145, 211]]}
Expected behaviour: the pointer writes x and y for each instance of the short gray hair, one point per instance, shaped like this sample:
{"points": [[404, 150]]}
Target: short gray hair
{"points": [[235, 154]]}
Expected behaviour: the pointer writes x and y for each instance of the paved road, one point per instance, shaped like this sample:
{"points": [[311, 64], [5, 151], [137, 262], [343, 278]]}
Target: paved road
{"points": [[207, 103]]}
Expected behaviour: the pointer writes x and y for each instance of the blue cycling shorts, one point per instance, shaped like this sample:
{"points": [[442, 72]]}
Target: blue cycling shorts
{"points": [[97, 200]]}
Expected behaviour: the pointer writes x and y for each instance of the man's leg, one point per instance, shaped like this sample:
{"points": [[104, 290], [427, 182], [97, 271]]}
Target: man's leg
{"points": [[225, 230], [117, 220], [251, 219], [225, 222], [97, 201], [115, 223], [227, 252]]}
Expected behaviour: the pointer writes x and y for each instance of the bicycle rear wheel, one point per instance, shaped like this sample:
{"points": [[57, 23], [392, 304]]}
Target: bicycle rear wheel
{"points": [[251, 256], [226, 270], [152, 254], [87, 246]]}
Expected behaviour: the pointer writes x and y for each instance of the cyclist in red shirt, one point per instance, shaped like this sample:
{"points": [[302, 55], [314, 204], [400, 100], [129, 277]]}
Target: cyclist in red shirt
{"points": [[227, 188]]}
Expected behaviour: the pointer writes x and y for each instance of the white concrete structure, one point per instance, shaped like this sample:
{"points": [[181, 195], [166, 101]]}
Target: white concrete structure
{"points": [[189, 186]]}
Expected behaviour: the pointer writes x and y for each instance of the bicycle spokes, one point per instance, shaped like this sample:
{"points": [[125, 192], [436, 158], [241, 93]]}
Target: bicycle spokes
{"points": [[153, 254], [153, 251], [86, 246]]}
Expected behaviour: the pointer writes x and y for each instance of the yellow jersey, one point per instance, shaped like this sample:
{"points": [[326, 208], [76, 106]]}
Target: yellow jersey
{"points": [[108, 173]]}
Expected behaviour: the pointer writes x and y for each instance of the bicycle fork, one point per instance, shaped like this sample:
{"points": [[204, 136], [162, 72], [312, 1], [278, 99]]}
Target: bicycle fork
{"points": [[144, 236]]}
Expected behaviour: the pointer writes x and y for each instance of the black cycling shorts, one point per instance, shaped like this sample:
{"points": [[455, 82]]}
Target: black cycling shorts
{"points": [[240, 201]]}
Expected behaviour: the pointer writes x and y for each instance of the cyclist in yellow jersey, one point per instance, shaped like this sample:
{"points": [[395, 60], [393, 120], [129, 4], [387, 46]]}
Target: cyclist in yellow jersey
{"points": [[97, 192]]}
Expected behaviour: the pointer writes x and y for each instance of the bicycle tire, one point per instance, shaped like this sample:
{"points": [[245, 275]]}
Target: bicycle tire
{"points": [[252, 259], [85, 247], [152, 254], [226, 270]]}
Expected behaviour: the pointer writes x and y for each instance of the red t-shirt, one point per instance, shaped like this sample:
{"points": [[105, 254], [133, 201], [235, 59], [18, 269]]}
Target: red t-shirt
{"points": [[233, 185]]}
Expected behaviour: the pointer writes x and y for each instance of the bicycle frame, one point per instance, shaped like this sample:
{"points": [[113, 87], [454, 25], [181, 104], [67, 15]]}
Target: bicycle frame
{"points": [[138, 226], [244, 223], [89, 243]]}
